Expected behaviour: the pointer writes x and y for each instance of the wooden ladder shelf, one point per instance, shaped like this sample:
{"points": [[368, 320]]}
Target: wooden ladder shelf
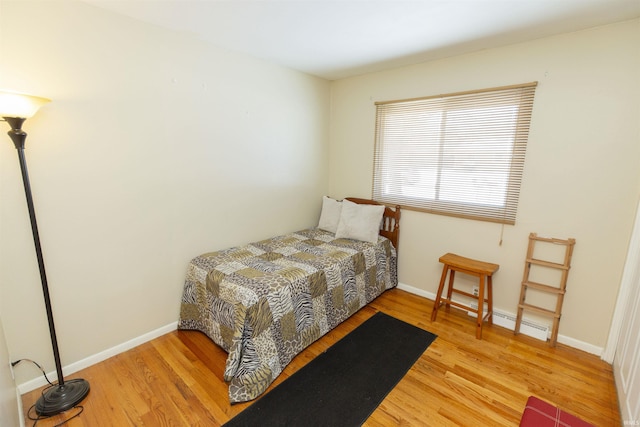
{"points": [[557, 290]]}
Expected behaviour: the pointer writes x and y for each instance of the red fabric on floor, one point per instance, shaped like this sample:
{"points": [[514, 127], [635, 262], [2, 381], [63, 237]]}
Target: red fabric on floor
{"points": [[539, 413]]}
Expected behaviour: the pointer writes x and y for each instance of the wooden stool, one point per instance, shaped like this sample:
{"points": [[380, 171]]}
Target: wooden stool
{"points": [[482, 270]]}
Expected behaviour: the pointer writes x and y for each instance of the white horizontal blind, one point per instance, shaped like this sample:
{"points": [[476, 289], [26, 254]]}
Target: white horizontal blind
{"points": [[460, 154]]}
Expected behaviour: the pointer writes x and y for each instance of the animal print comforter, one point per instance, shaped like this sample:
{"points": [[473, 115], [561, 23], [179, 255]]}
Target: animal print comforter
{"points": [[265, 302]]}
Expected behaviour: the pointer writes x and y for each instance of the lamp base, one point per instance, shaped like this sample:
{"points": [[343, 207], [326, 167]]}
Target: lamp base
{"points": [[57, 399]]}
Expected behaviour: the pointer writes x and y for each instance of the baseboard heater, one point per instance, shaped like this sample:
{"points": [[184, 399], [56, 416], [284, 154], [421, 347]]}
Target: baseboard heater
{"points": [[527, 327]]}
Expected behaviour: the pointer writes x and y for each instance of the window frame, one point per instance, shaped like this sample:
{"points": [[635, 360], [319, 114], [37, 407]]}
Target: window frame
{"points": [[446, 148]]}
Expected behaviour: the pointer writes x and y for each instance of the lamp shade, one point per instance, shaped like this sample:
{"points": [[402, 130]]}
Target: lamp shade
{"points": [[14, 104]]}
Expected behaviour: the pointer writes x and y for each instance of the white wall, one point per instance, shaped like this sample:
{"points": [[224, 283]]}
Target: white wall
{"points": [[582, 171], [156, 148]]}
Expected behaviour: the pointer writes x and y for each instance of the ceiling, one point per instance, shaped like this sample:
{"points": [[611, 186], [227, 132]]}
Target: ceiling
{"points": [[335, 39]]}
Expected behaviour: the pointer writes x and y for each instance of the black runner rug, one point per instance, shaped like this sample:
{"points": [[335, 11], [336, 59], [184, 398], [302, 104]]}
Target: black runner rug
{"points": [[344, 385]]}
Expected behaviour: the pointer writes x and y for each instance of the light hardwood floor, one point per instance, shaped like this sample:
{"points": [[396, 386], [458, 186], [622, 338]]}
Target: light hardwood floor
{"points": [[176, 380]]}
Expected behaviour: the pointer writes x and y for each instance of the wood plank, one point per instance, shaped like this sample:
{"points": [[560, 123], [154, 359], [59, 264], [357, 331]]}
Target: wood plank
{"points": [[176, 379]]}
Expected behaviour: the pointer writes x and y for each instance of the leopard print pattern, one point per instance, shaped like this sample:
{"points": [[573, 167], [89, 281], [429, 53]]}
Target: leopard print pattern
{"points": [[265, 302]]}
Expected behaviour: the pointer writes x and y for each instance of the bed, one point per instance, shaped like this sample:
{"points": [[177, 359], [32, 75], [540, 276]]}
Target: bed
{"points": [[265, 302]]}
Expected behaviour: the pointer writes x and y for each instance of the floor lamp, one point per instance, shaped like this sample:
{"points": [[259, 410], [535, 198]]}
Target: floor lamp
{"points": [[14, 109]]}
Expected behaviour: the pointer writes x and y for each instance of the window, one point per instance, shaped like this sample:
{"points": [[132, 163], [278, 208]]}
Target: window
{"points": [[459, 154]]}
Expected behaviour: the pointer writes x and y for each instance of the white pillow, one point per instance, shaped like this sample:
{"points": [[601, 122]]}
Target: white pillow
{"points": [[360, 222], [330, 215]]}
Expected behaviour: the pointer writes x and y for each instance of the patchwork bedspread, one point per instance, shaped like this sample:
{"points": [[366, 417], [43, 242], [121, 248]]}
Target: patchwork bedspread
{"points": [[267, 301]]}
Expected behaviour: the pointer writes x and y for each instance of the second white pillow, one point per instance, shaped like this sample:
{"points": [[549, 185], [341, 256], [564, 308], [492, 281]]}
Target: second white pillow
{"points": [[359, 222]]}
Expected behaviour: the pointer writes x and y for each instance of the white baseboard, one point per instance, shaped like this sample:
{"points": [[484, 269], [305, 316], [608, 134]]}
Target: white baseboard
{"points": [[416, 291], [571, 342], [581, 345], [20, 409], [99, 357], [96, 358]]}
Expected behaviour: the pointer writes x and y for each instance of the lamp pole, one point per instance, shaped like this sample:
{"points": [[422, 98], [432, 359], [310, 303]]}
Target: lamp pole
{"points": [[18, 136], [63, 395]]}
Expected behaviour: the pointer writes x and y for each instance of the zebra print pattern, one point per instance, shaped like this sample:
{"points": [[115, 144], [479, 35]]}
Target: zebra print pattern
{"points": [[265, 302]]}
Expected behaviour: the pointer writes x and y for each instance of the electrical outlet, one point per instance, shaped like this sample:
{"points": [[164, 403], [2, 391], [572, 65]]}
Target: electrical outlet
{"points": [[476, 291]]}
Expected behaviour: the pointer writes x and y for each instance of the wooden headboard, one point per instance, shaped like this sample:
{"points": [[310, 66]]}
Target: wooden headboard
{"points": [[390, 227]]}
